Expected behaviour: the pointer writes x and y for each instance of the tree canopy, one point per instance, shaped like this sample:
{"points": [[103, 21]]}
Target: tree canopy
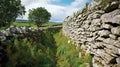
{"points": [[39, 15], [9, 11]]}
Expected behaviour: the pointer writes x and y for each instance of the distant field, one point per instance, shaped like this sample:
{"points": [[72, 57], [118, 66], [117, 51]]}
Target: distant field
{"points": [[33, 24], [23, 24]]}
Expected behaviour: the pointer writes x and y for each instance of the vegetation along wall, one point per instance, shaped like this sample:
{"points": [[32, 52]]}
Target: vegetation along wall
{"points": [[39, 47]]}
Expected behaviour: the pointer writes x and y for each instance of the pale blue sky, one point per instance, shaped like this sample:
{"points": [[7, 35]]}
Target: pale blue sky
{"points": [[59, 9]]}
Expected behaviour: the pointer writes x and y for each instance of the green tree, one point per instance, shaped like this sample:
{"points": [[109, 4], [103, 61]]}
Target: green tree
{"points": [[39, 15], [9, 10]]}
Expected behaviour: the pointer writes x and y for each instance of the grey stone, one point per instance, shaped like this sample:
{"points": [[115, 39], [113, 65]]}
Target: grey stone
{"points": [[94, 28], [104, 33], [19, 30], [5, 32], [100, 39], [109, 41], [106, 26], [112, 51], [118, 60], [100, 12], [95, 62], [2, 36], [96, 31], [119, 38], [119, 51], [112, 36], [96, 21], [94, 16], [111, 17], [80, 16], [117, 65], [106, 57], [13, 29], [115, 30], [117, 43], [89, 39], [119, 6], [1, 33]]}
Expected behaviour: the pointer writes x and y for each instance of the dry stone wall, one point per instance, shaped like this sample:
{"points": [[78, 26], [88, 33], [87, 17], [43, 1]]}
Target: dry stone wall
{"points": [[96, 31], [22, 31]]}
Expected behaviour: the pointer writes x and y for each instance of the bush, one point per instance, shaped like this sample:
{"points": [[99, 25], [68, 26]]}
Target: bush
{"points": [[32, 53]]}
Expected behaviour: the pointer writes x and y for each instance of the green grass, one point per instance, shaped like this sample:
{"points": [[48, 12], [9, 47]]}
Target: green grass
{"points": [[33, 24], [51, 24], [68, 54], [23, 24]]}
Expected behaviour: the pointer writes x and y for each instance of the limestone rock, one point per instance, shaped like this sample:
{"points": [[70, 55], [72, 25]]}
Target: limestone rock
{"points": [[111, 17], [104, 33], [94, 16], [12, 29], [94, 28], [96, 22], [96, 63], [117, 43], [106, 57], [109, 41], [118, 60], [112, 51], [119, 38], [106, 26], [6, 33], [115, 30], [2, 36], [112, 36], [100, 39]]}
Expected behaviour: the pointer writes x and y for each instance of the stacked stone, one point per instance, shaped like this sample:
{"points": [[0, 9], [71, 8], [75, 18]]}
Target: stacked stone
{"points": [[21, 31], [98, 33]]}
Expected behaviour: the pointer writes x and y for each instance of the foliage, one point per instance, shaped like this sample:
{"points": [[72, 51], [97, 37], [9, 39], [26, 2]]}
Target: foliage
{"points": [[9, 10], [68, 55], [31, 52], [47, 48], [39, 15]]}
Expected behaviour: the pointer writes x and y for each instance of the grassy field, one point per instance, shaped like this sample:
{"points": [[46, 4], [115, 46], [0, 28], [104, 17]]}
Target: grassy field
{"points": [[68, 55], [33, 24]]}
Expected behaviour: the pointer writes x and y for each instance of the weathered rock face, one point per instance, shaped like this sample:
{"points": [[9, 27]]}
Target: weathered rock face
{"points": [[98, 32]]}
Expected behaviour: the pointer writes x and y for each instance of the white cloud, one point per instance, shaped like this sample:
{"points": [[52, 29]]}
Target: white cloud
{"points": [[77, 3], [58, 12], [53, 1]]}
